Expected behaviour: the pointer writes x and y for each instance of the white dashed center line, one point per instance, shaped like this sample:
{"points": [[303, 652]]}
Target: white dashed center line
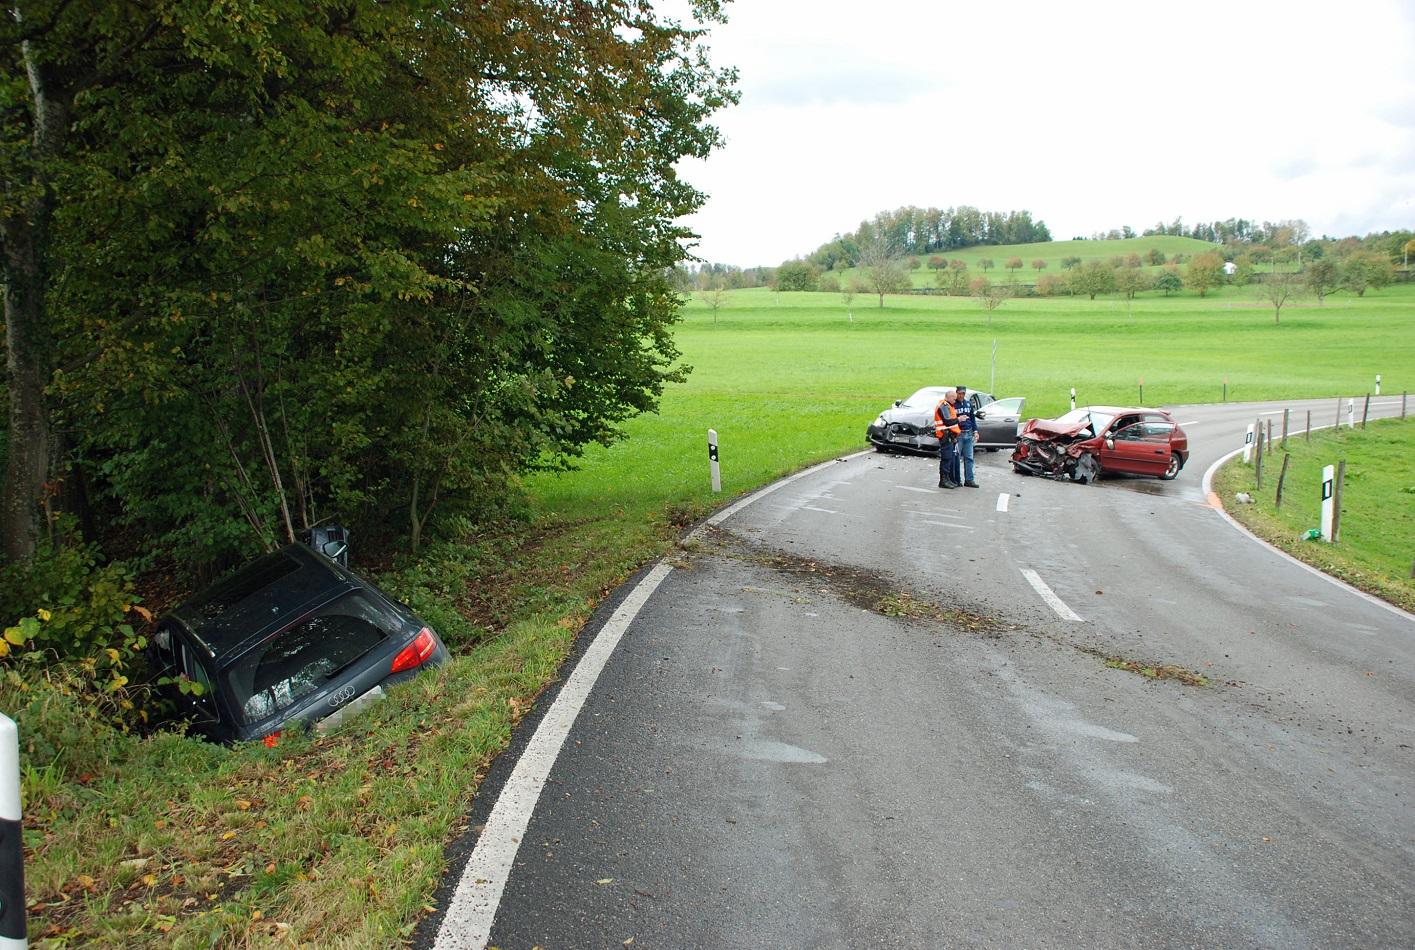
{"points": [[1048, 595], [1002, 501]]}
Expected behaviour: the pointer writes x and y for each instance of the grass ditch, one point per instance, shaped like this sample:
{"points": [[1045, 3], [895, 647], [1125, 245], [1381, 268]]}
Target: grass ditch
{"points": [[1374, 552]]}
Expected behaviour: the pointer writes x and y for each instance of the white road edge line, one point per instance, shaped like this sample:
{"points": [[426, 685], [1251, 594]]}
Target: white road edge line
{"points": [[1002, 501], [472, 910], [1048, 595], [1213, 500]]}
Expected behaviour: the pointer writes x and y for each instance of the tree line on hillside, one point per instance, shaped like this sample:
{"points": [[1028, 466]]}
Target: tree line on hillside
{"points": [[322, 259], [913, 231]]}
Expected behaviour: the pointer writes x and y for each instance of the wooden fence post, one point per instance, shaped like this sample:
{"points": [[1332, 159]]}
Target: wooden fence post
{"points": [[1258, 465], [1308, 431], [1336, 501], [1285, 413], [1365, 410], [1281, 477]]}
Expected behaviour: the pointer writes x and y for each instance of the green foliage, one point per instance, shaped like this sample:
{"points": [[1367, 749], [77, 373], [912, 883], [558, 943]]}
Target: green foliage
{"points": [[797, 275], [66, 601], [1365, 270], [1091, 278], [1204, 273], [311, 269], [1169, 281]]}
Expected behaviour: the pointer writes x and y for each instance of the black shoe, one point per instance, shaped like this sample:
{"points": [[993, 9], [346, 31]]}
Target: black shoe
{"points": [[970, 484], [947, 484]]}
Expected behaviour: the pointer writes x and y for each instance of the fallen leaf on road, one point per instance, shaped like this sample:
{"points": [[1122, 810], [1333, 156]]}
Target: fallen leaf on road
{"points": [[605, 880]]}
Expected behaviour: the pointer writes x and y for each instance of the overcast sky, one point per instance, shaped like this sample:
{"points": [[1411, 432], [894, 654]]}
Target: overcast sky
{"points": [[1091, 115]]}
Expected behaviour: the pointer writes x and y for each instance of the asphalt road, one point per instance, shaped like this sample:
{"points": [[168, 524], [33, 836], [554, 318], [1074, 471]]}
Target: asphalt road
{"points": [[767, 762]]}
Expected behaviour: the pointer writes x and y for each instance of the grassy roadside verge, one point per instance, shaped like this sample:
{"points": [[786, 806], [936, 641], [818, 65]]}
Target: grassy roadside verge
{"points": [[1377, 542], [320, 841]]}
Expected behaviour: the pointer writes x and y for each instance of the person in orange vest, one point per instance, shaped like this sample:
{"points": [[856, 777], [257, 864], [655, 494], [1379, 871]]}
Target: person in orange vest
{"points": [[947, 428]]}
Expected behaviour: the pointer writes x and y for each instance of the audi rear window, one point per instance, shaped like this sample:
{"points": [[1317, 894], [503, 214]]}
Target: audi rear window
{"points": [[303, 659]]}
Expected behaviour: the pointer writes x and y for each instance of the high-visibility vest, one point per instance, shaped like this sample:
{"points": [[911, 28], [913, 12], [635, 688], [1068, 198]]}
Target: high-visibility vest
{"points": [[946, 419]]}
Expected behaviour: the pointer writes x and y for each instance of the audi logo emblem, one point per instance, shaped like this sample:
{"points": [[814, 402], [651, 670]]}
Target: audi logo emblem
{"points": [[342, 696]]}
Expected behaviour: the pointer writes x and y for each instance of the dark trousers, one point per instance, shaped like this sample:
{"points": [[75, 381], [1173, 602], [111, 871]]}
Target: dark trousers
{"points": [[947, 460]]}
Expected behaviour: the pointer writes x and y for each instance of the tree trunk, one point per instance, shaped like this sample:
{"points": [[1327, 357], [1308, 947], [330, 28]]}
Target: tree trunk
{"points": [[27, 371], [25, 230]]}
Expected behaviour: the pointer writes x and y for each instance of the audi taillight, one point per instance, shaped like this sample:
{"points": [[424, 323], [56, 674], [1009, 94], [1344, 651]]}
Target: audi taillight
{"points": [[416, 652]]}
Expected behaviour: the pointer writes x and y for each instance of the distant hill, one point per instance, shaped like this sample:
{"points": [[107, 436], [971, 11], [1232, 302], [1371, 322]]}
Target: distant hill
{"points": [[1052, 252]]}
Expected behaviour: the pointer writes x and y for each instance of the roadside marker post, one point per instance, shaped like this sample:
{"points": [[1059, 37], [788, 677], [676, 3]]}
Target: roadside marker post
{"points": [[1378, 384], [1142, 390], [1328, 501], [12, 851], [1351, 413], [712, 461], [1225, 389], [1073, 397], [1248, 445]]}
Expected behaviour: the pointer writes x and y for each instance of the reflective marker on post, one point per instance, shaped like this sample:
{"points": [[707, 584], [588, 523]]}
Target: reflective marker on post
{"points": [[1328, 501], [1248, 445], [712, 461], [12, 852]]}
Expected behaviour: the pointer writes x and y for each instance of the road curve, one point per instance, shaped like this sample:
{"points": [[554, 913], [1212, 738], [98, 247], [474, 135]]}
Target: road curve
{"points": [[767, 759]]}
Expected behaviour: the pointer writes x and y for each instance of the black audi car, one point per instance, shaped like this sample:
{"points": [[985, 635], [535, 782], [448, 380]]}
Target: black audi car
{"points": [[290, 637], [908, 426]]}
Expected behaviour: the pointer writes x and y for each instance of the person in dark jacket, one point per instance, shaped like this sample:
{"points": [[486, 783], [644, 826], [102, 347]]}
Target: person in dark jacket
{"points": [[966, 439]]}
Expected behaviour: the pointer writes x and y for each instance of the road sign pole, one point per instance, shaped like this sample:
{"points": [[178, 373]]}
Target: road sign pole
{"points": [[712, 461], [1328, 501], [12, 851]]}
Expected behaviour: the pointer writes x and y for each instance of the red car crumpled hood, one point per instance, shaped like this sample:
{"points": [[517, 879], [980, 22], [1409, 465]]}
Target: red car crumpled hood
{"points": [[1042, 429]]}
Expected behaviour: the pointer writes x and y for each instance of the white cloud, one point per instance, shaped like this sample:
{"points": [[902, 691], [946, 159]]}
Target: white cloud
{"points": [[1089, 115]]}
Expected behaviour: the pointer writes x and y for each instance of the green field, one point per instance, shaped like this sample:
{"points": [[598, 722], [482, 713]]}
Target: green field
{"points": [[793, 377], [1377, 544], [1052, 252]]}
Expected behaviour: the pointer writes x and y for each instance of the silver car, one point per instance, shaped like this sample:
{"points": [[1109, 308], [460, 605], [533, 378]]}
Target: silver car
{"points": [[908, 426]]}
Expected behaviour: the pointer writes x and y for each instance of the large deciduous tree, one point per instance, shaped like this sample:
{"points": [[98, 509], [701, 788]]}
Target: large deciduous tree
{"points": [[1204, 272], [305, 257]]}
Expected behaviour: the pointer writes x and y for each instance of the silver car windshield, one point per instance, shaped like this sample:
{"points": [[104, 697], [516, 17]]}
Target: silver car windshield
{"points": [[925, 398]]}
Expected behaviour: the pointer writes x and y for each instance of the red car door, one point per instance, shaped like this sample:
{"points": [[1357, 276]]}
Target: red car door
{"points": [[1136, 448]]}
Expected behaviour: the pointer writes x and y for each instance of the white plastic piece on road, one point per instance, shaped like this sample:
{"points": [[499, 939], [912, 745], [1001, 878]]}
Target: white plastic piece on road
{"points": [[1002, 500], [472, 911], [1048, 595]]}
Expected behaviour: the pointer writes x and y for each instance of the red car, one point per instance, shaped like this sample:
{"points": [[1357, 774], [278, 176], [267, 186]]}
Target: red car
{"points": [[1088, 441]]}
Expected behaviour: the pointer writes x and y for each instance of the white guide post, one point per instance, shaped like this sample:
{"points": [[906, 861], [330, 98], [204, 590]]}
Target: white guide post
{"points": [[1378, 384], [1328, 501], [1248, 445], [712, 461], [1073, 397], [1351, 413], [12, 852]]}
